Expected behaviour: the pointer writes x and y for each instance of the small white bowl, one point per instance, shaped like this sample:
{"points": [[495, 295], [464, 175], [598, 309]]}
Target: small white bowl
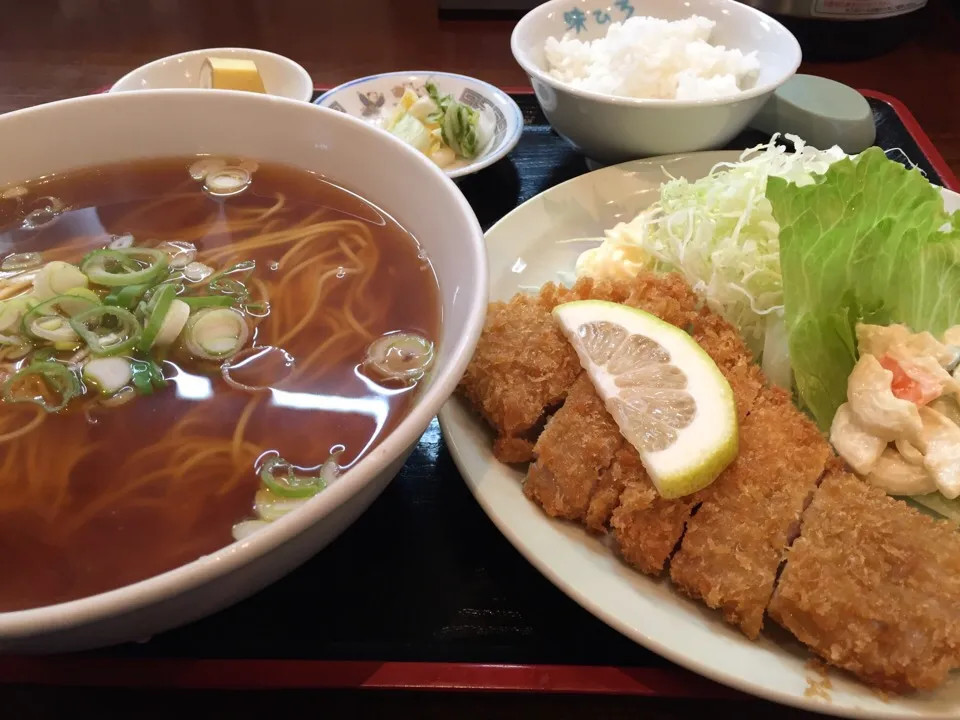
{"points": [[371, 97], [281, 76], [615, 129]]}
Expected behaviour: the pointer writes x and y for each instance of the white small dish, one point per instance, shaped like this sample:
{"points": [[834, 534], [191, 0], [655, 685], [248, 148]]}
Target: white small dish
{"points": [[615, 129], [533, 245], [371, 98], [281, 76]]}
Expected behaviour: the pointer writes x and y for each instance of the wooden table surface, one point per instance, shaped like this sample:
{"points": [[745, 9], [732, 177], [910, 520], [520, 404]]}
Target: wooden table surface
{"points": [[53, 49]]}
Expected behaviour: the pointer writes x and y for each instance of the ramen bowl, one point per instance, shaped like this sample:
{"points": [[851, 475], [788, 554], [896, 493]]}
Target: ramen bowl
{"points": [[613, 129], [127, 128]]}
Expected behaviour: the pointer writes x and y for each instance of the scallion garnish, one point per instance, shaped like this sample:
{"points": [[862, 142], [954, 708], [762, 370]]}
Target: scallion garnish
{"points": [[281, 478], [206, 301], [34, 382], [107, 330], [128, 266]]}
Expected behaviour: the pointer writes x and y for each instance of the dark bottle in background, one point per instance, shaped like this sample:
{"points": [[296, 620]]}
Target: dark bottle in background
{"points": [[845, 29]]}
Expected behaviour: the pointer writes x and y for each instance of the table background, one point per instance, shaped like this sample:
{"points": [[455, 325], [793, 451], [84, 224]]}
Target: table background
{"points": [[52, 49]]}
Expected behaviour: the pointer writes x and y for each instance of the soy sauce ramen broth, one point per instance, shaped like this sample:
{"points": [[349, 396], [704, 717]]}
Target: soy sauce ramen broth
{"points": [[96, 497]]}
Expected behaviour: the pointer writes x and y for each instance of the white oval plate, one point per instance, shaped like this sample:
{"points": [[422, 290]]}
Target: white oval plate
{"points": [[373, 97], [526, 249]]}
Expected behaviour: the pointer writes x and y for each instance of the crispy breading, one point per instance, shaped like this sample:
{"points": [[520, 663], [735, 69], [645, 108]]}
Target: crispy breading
{"points": [[646, 527], [731, 354], [666, 296], [873, 586], [576, 446], [522, 367], [735, 542]]}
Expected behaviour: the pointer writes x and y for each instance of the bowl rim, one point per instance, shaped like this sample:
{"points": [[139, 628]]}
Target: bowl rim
{"points": [[522, 58], [159, 588], [306, 91], [514, 121]]}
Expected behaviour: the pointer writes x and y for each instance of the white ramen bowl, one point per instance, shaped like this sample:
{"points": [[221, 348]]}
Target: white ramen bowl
{"points": [[120, 127], [615, 129], [281, 76]]}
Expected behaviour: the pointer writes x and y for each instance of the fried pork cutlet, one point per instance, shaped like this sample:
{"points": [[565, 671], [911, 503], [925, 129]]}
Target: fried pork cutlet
{"points": [[728, 350], [735, 542], [646, 527], [522, 367], [665, 295], [576, 446], [573, 477], [873, 586]]}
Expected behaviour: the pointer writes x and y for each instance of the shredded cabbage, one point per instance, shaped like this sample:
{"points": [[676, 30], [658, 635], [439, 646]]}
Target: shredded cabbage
{"points": [[719, 232]]}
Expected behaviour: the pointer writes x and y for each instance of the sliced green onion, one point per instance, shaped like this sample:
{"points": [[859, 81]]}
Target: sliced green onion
{"points": [[51, 377], [140, 373], [121, 242], [126, 297], [21, 261], [156, 376], [128, 266], [207, 301], [181, 253], [45, 354], [229, 286], [270, 506], [216, 333], [173, 323], [75, 301], [156, 311], [56, 277], [245, 528], [11, 312], [197, 272], [227, 181], [257, 309], [399, 356], [204, 166], [108, 374], [146, 376], [54, 328], [107, 330], [281, 479], [46, 320]]}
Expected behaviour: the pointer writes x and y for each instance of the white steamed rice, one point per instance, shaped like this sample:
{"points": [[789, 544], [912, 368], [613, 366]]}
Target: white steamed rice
{"points": [[646, 57]]}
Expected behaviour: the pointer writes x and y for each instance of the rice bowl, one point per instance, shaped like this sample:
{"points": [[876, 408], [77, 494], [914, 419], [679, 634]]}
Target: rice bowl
{"points": [[610, 128]]}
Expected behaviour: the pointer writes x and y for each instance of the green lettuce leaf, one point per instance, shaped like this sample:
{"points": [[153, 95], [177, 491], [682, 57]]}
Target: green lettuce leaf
{"points": [[868, 241]]}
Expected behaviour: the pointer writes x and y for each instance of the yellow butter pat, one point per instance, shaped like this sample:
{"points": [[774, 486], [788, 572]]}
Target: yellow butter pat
{"points": [[231, 74]]}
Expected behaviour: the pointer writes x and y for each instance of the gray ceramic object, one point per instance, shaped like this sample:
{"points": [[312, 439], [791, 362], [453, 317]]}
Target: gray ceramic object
{"points": [[821, 111]]}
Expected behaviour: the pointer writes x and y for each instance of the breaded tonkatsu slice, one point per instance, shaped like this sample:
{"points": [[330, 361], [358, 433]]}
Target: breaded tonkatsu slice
{"points": [[522, 367], [873, 586], [646, 527], [735, 542], [728, 350], [573, 451]]}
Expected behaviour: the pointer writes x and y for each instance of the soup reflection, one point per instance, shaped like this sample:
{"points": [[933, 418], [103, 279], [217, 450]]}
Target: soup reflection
{"points": [[189, 349]]}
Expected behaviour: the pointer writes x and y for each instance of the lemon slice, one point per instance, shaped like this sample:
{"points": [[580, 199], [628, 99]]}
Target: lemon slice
{"points": [[665, 393]]}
